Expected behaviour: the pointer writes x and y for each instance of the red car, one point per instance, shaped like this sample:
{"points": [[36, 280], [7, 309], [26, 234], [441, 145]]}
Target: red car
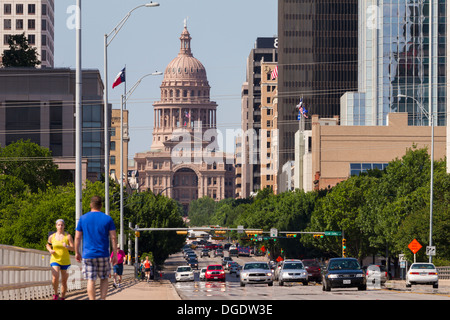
{"points": [[215, 272], [313, 269]]}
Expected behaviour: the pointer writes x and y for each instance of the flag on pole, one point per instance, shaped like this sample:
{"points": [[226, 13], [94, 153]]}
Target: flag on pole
{"points": [[274, 74], [299, 104], [119, 79]]}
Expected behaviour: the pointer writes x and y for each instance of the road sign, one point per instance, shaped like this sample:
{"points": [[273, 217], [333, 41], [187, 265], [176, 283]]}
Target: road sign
{"points": [[431, 251], [274, 232], [240, 229], [401, 258], [414, 246], [333, 233]]}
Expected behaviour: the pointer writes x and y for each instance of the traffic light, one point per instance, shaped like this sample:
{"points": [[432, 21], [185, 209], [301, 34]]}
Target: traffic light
{"points": [[344, 248], [318, 236], [291, 235]]}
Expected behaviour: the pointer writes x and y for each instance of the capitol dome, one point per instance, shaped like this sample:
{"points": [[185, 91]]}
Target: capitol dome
{"points": [[185, 66]]}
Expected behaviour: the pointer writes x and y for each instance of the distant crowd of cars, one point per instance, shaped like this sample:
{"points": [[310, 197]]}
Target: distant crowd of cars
{"points": [[337, 273]]}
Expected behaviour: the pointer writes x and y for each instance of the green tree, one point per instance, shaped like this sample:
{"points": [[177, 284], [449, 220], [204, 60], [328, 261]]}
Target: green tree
{"points": [[30, 163], [201, 211], [20, 53], [150, 211]]}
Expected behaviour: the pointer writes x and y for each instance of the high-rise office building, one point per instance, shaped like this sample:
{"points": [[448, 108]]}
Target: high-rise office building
{"points": [[36, 19], [402, 63], [318, 54], [265, 50]]}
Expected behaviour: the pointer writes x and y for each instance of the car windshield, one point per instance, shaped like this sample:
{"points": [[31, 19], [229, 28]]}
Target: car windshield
{"points": [[422, 266], [215, 268], [310, 263], [344, 265], [184, 269], [256, 266], [297, 265]]}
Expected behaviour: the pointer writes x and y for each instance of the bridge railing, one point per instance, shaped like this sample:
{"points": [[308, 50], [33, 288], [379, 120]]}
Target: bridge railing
{"points": [[25, 274]]}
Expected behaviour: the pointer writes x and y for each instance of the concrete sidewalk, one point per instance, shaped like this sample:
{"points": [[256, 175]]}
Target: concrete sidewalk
{"points": [[135, 290]]}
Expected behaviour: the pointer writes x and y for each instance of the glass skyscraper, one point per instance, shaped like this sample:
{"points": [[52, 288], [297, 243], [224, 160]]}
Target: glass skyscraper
{"points": [[401, 63]]}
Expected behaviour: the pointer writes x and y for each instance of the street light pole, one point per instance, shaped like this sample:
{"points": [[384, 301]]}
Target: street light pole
{"points": [[78, 119], [430, 116], [122, 103], [113, 33]]}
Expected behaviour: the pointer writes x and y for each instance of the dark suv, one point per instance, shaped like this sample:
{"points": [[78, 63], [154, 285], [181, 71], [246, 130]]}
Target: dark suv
{"points": [[343, 273], [313, 269]]}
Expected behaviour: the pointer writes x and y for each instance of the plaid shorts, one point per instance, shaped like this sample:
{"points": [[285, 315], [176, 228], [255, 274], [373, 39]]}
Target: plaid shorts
{"points": [[97, 267]]}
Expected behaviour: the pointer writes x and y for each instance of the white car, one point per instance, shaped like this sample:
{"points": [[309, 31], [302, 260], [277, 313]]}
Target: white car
{"points": [[202, 274], [293, 271], [256, 272], [422, 273], [184, 273]]}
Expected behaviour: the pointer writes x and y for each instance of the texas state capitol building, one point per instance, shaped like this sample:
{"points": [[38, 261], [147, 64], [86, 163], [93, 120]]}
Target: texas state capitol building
{"points": [[184, 162]]}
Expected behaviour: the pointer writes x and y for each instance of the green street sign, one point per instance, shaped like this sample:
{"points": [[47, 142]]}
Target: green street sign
{"points": [[333, 233]]}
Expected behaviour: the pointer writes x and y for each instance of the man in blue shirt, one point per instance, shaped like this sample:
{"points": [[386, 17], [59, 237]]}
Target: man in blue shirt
{"points": [[94, 230]]}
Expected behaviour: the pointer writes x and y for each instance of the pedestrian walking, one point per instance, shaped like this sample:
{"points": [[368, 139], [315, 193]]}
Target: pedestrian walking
{"points": [[59, 244], [118, 268], [94, 230], [147, 266]]}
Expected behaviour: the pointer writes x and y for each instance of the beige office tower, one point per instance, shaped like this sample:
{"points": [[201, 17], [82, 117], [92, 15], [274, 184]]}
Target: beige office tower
{"points": [[34, 18]]}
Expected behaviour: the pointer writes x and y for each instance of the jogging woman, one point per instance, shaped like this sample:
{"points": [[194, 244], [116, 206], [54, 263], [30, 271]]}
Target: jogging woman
{"points": [[59, 244]]}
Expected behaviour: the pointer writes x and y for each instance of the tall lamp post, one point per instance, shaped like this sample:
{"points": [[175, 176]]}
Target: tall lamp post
{"points": [[430, 117], [107, 42], [78, 119], [123, 102]]}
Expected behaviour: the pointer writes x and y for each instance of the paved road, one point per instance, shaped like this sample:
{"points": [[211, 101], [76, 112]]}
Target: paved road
{"points": [[231, 290]]}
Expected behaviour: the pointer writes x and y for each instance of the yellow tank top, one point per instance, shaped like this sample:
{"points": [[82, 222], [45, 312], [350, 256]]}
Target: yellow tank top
{"points": [[61, 255]]}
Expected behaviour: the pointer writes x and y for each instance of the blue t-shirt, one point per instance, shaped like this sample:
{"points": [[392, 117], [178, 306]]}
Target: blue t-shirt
{"points": [[95, 227]]}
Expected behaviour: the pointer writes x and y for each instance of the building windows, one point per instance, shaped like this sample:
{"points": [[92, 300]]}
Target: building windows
{"points": [[7, 24], [31, 9], [19, 24], [7, 8], [357, 168], [19, 8], [31, 39], [31, 24]]}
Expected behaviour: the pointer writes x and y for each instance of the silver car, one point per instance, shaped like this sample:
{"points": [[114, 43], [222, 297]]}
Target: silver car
{"points": [[293, 271], [422, 273], [256, 272]]}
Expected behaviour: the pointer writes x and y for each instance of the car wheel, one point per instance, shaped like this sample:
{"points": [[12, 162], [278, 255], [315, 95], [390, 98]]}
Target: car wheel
{"points": [[270, 284], [362, 288], [281, 283], [305, 283], [325, 286], [435, 285], [242, 284], [408, 285]]}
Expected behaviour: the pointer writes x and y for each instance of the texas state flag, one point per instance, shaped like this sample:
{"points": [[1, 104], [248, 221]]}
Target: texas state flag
{"points": [[119, 79]]}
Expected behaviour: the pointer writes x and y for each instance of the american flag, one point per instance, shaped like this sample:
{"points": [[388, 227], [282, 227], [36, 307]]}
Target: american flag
{"points": [[274, 74]]}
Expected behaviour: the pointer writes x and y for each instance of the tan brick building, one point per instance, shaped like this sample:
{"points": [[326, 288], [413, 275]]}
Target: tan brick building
{"points": [[337, 152]]}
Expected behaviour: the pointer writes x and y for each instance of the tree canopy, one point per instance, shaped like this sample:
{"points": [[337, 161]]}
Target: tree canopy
{"points": [[20, 53]]}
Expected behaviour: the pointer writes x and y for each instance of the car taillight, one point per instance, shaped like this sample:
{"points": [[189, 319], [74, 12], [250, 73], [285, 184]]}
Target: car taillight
{"points": [[432, 273], [413, 273]]}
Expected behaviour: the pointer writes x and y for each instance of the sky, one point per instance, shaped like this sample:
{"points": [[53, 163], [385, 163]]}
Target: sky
{"points": [[223, 34]]}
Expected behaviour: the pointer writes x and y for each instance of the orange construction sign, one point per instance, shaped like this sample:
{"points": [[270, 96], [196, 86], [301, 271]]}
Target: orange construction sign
{"points": [[414, 246]]}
